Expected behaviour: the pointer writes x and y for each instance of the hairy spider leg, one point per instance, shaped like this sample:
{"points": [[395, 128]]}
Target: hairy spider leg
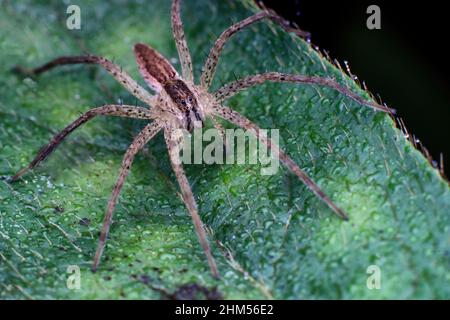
{"points": [[210, 65], [173, 145], [116, 71], [138, 143], [180, 41], [229, 90], [107, 110], [241, 121]]}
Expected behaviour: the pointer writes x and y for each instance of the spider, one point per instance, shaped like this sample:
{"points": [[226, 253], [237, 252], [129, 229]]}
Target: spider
{"points": [[180, 103]]}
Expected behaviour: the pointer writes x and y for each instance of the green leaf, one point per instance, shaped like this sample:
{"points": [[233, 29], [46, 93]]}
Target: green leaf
{"points": [[285, 243]]}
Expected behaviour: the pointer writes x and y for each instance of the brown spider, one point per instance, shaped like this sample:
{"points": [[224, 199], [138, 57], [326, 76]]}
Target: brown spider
{"points": [[179, 103]]}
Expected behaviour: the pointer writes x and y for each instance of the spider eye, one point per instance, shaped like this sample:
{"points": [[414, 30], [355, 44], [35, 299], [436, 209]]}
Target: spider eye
{"points": [[190, 99], [183, 102]]}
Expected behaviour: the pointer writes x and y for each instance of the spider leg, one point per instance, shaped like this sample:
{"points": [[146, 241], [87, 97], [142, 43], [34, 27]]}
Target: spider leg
{"points": [[221, 131], [110, 110], [138, 143], [241, 121], [174, 147], [209, 68], [233, 88], [116, 71], [180, 41]]}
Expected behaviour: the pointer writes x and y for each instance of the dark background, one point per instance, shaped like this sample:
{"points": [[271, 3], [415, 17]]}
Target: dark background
{"points": [[406, 62]]}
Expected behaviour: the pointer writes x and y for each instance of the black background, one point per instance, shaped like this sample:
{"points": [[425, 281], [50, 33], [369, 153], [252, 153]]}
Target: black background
{"points": [[406, 62], [165, 309]]}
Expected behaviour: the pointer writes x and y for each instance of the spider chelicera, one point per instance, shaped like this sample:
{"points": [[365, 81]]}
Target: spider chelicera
{"points": [[180, 103]]}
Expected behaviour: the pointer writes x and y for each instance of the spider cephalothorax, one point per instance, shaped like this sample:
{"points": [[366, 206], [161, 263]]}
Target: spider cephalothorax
{"points": [[186, 101], [179, 103]]}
